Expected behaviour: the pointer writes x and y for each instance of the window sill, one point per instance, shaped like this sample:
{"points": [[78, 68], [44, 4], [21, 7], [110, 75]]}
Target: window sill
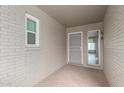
{"points": [[29, 48]]}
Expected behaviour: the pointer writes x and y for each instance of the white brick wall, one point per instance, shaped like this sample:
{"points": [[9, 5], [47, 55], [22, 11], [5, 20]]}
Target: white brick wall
{"points": [[12, 56], [20, 66], [114, 45]]}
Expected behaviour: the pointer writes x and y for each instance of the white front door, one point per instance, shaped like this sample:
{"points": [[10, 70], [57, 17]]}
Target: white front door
{"points": [[75, 48]]}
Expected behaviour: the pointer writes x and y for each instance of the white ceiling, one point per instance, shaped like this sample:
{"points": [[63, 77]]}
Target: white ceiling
{"points": [[75, 15]]}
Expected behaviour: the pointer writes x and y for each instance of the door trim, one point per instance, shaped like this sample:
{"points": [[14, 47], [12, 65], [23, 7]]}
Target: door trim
{"points": [[80, 47]]}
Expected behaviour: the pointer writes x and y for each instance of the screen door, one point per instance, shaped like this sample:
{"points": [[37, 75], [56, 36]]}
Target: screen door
{"points": [[75, 48]]}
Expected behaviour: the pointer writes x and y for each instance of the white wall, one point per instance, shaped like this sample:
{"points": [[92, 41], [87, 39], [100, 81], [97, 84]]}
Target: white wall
{"points": [[114, 45], [85, 29], [21, 66]]}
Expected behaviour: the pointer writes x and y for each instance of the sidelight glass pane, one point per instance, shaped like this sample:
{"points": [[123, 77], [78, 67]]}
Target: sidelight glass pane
{"points": [[93, 47], [31, 38], [31, 25]]}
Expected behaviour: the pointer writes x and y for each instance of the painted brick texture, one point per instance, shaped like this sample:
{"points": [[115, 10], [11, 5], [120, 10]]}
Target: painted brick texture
{"points": [[21, 66], [12, 49], [114, 45]]}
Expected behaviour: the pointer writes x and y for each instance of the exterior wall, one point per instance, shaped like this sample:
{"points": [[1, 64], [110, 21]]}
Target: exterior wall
{"points": [[85, 29], [22, 66], [114, 45]]}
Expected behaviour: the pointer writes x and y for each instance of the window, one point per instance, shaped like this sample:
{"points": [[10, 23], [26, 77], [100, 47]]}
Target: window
{"points": [[31, 31]]}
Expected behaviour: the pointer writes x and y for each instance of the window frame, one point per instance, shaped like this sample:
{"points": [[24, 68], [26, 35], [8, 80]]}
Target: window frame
{"points": [[29, 16]]}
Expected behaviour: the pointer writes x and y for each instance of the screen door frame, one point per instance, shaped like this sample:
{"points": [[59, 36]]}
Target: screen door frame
{"points": [[81, 48]]}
